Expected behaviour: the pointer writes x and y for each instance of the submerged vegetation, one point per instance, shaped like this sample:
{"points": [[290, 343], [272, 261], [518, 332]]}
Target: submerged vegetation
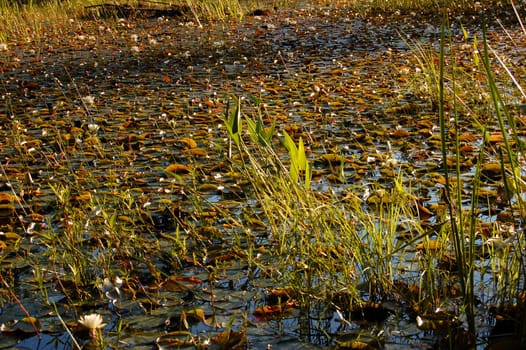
{"points": [[280, 177]]}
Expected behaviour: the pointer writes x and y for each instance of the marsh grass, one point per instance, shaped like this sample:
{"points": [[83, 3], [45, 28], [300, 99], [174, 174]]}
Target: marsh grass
{"points": [[324, 244], [336, 251], [424, 7], [19, 21], [30, 21], [452, 86]]}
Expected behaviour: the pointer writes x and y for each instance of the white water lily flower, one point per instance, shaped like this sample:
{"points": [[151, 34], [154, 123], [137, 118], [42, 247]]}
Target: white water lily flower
{"points": [[89, 100], [92, 321], [93, 127]]}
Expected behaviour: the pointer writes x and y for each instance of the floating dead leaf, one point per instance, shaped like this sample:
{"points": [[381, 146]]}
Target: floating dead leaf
{"points": [[176, 340], [208, 188], [423, 212], [425, 132], [6, 197], [278, 295], [82, 197], [195, 152], [463, 162], [178, 168], [466, 149], [436, 321], [172, 284], [379, 196], [429, 245], [282, 117], [274, 310], [216, 257], [205, 214], [192, 317], [125, 218], [6, 210], [330, 159], [187, 142], [291, 129], [230, 340], [358, 341], [206, 232], [496, 137], [354, 344], [438, 178], [337, 71], [271, 90], [492, 169], [11, 236], [189, 279], [24, 325], [400, 133], [467, 136], [37, 217]]}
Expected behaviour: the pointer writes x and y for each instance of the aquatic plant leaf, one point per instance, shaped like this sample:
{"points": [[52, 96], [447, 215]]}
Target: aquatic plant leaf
{"points": [[435, 322], [6, 197], [400, 133], [230, 339], [187, 142], [193, 316], [258, 132], [176, 340], [274, 310], [7, 209], [232, 120], [196, 152], [492, 169], [330, 159], [359, 341], [352, 344], [299, 165], [430, 245], [24, 325], [178, 168]]}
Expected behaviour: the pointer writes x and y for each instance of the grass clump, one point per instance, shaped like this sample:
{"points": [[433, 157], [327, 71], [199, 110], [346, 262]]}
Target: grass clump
{"points": [[340, 251], [425, 7], [29, 21]]}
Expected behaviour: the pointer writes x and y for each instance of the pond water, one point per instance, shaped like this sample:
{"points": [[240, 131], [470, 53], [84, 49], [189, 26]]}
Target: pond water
{"points": [[92, 110]]}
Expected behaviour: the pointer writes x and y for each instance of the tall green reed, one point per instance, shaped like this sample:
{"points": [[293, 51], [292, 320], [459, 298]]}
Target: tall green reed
{"points": [[463, 223], [464, 253]]}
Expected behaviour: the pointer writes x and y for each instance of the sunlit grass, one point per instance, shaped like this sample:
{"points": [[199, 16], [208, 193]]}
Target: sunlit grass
{"points": [[28, 20], [420, 7], [453, 90], [341, 250]]}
